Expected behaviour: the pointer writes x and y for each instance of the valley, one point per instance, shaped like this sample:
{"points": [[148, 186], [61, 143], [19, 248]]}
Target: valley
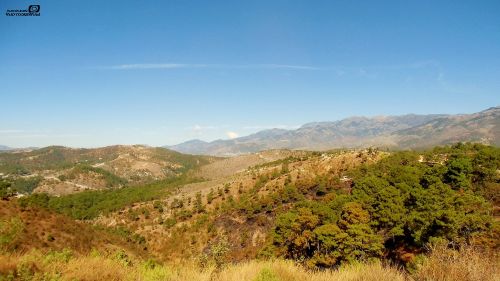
{"points": [[208, 217], [250, 140], [62, 170]]}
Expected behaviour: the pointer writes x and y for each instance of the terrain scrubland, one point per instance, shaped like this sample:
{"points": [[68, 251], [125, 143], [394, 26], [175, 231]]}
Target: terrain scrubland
{"points": [[346, 214]]}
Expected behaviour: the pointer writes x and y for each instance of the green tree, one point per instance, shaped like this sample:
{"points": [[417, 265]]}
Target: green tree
{"points": [[459, 172], [210, 196], [384, 202], [350, 239], [312, 235], [4, 189], [198, 203]]}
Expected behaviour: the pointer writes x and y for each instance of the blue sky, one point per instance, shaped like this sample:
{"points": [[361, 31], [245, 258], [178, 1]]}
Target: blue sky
{"points": [[94, 73]]}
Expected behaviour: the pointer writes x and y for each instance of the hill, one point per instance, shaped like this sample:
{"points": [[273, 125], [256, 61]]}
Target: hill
{"points": [[246, 234], [62, 170], [265, 209], [401, 132], [25, 228], [433, 213], [481, 127]]}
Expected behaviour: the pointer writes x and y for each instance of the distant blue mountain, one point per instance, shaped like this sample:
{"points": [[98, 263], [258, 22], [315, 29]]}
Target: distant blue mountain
{"points": [[404, 131]]}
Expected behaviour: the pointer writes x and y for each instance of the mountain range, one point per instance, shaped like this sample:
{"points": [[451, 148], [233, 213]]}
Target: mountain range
{"points": [[4, 148], [409, 131]]}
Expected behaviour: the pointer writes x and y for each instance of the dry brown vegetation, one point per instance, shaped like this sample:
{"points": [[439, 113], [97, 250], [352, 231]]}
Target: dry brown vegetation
{"points": [[223, 230], [190, 236], [37, 228], [229, 166], [442, 265], [467, 263]]}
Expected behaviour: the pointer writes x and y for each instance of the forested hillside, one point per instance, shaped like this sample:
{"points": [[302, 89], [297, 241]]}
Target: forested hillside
{"points": [[410, 209], [390, 209], [60, 170]]}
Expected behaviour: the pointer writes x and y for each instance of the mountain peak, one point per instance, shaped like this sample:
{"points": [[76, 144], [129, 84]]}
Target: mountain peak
{"points": [[400, 131]]}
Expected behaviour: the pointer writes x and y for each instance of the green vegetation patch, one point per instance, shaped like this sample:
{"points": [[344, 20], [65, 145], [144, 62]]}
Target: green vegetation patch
{"points": [[111, 179], [405, 201], [90, 204], [10, 229], [186, 161], [26, 185], [266, 274]]}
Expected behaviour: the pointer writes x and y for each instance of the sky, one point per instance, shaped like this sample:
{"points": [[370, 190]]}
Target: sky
{"points": [[95, 73]]}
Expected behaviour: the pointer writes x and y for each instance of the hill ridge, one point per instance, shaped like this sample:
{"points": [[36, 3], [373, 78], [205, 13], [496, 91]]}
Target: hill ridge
{"points": [[408, 131]]}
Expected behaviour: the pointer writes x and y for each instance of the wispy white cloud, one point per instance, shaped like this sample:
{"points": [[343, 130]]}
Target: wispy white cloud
{"points": [[220, 66], [367, 71], [412, 65], [199, 128], [232, 135], [154, 66], [285, 66]]}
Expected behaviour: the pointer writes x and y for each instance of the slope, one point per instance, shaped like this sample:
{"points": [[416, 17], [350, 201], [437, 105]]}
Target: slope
{"points": [[61, 170], [400, 132]]}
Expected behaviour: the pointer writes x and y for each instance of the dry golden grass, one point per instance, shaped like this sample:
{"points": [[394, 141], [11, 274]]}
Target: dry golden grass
{"points": [[96, 268], [443, 264], [7, 265], [36, 266], [289, 271], [468, 263]]}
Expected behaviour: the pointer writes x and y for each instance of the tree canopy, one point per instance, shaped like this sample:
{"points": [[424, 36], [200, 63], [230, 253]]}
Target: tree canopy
{"points": [[406, 200]]}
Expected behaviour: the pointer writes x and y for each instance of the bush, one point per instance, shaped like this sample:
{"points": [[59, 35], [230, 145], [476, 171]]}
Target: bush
{"points": [[26, 185], [170, 222], [5, 190], [10, 230], [216, 253]]}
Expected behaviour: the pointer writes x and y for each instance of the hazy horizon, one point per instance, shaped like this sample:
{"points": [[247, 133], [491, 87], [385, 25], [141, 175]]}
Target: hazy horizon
{"points": [[257, 129]]}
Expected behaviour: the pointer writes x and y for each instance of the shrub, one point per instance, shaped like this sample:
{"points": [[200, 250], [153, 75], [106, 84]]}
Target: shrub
{"points": [[10, 230], [216, 253]]}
